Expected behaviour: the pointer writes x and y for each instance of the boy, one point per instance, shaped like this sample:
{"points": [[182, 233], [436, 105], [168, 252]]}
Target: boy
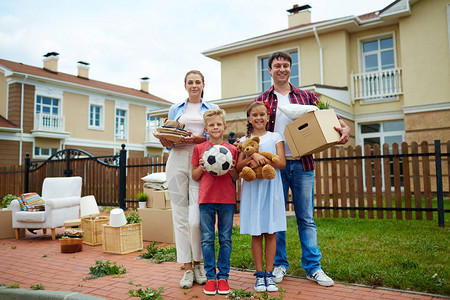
{"points": [[216, 197]]}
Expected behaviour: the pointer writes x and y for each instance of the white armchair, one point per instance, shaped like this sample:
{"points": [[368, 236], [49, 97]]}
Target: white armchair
{"points": [[62, 202]]}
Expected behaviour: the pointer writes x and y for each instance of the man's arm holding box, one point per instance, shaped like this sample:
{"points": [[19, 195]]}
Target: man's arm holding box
{"points": [[344, 130]]}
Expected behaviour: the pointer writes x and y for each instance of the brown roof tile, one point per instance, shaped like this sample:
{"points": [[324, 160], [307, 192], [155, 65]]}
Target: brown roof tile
{"points": [[26, 69], [6, 123]]}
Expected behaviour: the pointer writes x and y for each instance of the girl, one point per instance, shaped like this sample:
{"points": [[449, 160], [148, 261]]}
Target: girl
{"points": [[183, 190], [262, 205]]}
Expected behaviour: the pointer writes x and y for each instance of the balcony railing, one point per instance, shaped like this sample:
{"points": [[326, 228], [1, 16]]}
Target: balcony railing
{"points": [[149, 137], [376, 85], [49, 122]]}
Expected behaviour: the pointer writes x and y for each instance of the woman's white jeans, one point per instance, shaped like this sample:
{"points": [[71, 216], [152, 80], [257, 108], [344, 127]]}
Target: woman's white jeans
{"points": [[183, 193]]}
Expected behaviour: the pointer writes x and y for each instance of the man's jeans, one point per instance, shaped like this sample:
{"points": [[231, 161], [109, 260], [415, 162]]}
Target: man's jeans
{"points": [[301, 183], [225, 213]]}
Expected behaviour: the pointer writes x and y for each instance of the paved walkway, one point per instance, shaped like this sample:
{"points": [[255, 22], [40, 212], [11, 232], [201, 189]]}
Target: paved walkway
{"points": [[38, 260]]}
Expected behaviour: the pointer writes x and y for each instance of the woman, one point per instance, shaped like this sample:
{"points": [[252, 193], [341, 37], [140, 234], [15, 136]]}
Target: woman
{"points": [[183, 191]]}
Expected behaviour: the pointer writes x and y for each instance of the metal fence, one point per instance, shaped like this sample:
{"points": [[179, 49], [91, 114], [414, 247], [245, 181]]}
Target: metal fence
{"points": [[409, 182]]}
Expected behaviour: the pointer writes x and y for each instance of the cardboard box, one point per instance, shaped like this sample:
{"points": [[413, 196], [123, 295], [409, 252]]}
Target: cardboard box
{"points": [[157, 225], [156, 199], [6, 230], [312, 132]]}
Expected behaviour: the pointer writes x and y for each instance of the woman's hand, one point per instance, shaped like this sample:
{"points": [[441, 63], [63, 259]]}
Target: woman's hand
{"points": [[166, 143], [188, 139]]}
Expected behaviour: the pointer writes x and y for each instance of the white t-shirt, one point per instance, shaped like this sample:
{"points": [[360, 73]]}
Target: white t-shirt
{"points": [[193, 122], [281, 120]]}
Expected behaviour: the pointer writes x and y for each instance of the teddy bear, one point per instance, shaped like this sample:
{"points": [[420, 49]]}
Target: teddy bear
{"points": [[250, 146]]}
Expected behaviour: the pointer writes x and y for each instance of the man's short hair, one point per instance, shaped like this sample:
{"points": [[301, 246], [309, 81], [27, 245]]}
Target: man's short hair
{"points": [[278, 55], [214, 112]]}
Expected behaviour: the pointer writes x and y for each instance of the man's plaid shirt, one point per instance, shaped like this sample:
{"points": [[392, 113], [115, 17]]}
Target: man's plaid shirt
{"points": [[296, 96]]}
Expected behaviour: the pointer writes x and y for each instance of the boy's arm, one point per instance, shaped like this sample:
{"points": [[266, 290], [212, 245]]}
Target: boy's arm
{"points": [[197, 172], [233, 172]]}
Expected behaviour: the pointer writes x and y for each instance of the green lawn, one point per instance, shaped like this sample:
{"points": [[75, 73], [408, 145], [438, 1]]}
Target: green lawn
{"points": [[407, 255]]}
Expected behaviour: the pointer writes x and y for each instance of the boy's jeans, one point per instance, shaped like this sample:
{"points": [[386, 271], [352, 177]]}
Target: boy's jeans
{"points": [[225, 213], [302, 187]]}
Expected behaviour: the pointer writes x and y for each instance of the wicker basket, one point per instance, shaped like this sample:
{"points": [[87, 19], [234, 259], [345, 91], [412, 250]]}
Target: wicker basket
{"points": [[93, 230], [122, 240]]}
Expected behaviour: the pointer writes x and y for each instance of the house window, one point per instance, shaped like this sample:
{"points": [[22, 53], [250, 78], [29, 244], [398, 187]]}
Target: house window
{"points": [[379, 62], [46, 105], [44, 152], [152, 123], [120, 124], [266, 78], [95, 117], [380, 133], [379, 55]]}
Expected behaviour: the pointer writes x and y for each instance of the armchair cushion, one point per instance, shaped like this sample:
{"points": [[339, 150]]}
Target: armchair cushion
{"points": [[29, 200], [30, 217], [62, 202]]}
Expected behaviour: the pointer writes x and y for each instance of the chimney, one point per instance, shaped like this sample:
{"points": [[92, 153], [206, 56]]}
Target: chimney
{"points": [[83, 69], [144, 84], [299, 15], [51, 61]]}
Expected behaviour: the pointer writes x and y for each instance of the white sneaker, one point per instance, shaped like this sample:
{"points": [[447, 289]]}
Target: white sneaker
{"points": [[199, 274], [260, 284], [278, 274], [270, 285], [188, 280], [321, 278]]}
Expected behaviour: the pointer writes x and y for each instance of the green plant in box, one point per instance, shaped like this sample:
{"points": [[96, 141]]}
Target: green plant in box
{"points": [[7, 200], [133, 218], [142, 197], [323, 104]]}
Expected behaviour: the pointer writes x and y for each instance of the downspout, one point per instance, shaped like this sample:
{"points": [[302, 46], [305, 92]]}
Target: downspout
{"points": [[22, 96], [320, 54]]}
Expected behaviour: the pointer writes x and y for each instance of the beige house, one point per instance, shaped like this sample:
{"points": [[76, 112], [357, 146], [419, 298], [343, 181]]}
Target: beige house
{"points": [[387, 73], [43, 111]]}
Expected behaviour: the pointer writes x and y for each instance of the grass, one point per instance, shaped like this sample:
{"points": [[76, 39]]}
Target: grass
{"points": [[407, 255]]}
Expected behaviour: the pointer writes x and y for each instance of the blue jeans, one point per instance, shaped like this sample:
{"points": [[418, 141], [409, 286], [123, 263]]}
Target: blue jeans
{"points": [[301, 183], [225, 213]]}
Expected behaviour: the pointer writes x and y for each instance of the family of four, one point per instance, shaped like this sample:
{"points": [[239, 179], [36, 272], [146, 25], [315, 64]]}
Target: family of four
{"points": [[198, 198]]}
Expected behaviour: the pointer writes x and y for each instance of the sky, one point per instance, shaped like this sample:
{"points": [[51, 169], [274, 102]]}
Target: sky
{"points": [[161, 39]]}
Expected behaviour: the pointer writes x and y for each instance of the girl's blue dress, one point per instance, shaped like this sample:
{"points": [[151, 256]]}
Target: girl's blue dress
{"points": [[262, 208]]}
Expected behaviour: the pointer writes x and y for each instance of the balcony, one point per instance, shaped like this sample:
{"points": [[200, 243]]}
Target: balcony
{"points": [[381, 85], [49, 126], [150, 139]]}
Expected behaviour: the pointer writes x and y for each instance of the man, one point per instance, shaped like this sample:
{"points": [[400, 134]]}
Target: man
{"points": [[298, 174]]}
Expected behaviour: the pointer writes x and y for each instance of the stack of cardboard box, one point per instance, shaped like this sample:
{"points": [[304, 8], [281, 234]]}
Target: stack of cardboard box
{"points": [[157, 217]]}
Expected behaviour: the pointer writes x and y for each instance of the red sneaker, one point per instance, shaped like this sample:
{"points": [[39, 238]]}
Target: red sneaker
{"points": [[224, 288], [210, 287]]}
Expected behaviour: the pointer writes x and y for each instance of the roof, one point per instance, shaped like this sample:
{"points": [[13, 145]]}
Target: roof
{"points": [[41, 72], [7, 124], [390, 13]]}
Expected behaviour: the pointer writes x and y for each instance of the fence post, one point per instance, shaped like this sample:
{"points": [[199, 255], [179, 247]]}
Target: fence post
{"points": [[68, 171], [439, 188], [122, 177], [26, 180]]}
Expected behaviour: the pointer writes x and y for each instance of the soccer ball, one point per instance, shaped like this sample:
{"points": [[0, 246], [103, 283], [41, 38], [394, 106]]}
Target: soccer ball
{"points": [[218, 160]]}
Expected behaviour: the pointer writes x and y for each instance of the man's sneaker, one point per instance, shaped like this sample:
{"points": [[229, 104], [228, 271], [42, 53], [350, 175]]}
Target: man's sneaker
{"points": [[270, 285], [321, 278], [210, 287], [260, 285], [187, 280], [278, 273], [199, 274], [223, 288]]}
